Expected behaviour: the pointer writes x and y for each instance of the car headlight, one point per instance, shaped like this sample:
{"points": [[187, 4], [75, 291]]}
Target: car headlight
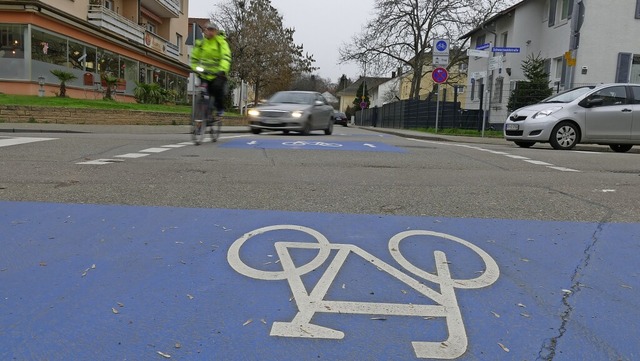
{"points": [[546, 112], [253, 112], [296, 114]]}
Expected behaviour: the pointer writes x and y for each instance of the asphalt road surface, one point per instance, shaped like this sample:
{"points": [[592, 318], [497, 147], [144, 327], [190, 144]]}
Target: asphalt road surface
{"points": [[131, 243]]}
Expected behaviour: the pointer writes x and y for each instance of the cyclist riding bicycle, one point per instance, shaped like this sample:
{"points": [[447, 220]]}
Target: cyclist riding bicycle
{"points": [[211, 60]]}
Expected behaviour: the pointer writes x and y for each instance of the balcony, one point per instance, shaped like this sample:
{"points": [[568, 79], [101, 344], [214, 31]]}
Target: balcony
{"points": [[110, 20], [161, 45], [163, 8]]}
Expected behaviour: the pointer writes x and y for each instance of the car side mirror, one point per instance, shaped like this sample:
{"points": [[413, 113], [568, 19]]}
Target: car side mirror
{"points": [[318, 103], [590, 102]]}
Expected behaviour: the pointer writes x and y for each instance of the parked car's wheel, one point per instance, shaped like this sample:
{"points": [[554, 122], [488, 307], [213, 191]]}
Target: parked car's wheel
{"points": [[306, 129], [522, 144], [329, 129], [255, 130], [620, 148], [564, 136]]}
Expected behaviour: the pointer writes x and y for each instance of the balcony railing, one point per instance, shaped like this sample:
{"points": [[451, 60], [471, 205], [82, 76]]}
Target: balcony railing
{"points": [[163, 8], [161, 45], [110, 20]]}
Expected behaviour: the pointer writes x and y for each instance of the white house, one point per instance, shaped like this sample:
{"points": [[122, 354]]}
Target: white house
{"points": [[582, 42]]}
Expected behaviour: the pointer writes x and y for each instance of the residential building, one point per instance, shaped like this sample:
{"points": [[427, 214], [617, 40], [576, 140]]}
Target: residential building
{"points": [[348, 94], [133, 40], [454, 84], [581, 41]]}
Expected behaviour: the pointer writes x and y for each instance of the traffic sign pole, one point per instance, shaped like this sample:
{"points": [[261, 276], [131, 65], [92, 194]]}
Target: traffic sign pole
{"points": [[437, 105]]}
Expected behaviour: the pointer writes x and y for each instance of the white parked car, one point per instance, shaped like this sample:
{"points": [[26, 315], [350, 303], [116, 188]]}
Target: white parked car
{"points": [[607, 114]]}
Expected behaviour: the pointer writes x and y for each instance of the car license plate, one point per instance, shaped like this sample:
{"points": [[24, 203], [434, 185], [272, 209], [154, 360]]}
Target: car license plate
{"points": [[512, 127], [271, 121]]}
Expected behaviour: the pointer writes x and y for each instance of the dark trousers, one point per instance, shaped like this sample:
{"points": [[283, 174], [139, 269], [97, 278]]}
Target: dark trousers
{"points": [[217, 88]]}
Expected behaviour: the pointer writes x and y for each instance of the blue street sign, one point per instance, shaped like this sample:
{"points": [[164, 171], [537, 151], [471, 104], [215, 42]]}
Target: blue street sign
{"points": [[441, 45], [483, 46], [496, 49]]}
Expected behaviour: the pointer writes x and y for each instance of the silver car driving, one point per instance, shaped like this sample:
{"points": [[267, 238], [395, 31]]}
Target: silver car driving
{"points": [[298, 111], [607, 114]]}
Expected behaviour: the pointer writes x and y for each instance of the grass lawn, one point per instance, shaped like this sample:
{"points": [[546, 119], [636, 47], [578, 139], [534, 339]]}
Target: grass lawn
{"points": [[32, 100], [463, 132]]}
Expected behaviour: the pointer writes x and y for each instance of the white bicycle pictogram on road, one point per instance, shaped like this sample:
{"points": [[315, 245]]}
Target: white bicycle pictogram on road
{"points": [[302, 143], [310, 303]]}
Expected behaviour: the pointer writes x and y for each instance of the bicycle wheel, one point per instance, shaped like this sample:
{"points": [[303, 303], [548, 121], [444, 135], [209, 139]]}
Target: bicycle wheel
{"points": [[214, 131], [198, 125]]}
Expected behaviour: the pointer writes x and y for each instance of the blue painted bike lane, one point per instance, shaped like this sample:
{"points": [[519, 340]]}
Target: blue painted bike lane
{"points": [[122, 282]]}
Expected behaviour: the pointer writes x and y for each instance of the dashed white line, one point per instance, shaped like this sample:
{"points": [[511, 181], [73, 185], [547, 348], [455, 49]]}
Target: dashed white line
{"points": [[132, 155], [154, 150], [513, 156]]}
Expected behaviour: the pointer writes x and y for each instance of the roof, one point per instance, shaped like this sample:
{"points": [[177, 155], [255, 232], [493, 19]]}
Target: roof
{"points": [[493, 18], [372, 82], [200, 22]]}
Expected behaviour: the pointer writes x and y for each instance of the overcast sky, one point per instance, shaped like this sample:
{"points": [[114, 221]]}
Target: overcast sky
{"points": [[320, 26]]}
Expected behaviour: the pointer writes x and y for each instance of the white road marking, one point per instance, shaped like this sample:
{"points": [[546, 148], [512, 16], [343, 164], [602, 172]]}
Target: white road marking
{"points": [[101, 161], [21, 140], [154, 150], [516, 156], [314, 301], [537, 162], [174, 145], [133, 155], [563, 169], [513, 156]]}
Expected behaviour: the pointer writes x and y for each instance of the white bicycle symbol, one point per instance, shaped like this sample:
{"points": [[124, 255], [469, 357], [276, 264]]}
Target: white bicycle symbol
{"points": [[302, 143], [309, 303]]}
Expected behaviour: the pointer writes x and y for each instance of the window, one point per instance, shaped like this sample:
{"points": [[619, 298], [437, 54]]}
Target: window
{"points": [[12, 63], [151, 27], [472, 96], [558, 67], [560, 10], [564, 9], [505, 37], [179, 43], [637, 9], [624, 67], [108, 4], [482, 38], [636, 94], [616, 95]]}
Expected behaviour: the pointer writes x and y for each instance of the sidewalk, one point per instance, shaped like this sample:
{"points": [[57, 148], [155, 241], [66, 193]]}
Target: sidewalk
{"points": [[112, 129], [436, 137], [184, 129]]}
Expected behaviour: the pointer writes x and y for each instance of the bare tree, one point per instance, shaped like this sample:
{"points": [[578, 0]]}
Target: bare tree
{"points": [[402, 32], [263, 50]]}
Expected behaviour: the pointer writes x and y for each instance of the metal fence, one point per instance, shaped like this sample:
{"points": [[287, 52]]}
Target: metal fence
{"points": [[411, 114]]}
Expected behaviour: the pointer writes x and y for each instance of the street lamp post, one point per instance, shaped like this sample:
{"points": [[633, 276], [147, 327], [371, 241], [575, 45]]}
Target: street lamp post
{"points": [[41, 80]]}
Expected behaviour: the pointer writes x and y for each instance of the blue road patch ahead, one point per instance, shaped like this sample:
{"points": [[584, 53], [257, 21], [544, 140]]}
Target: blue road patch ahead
{"points": [[105, 282], [312, 144]]}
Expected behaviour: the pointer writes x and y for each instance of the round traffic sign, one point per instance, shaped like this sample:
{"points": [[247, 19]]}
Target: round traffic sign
{"points": [[440, 75], [441, 45], [363, 105]]}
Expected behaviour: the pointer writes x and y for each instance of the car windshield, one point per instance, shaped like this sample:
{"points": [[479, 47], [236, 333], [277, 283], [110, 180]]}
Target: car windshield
{"points": [[568, 96], [292, 98]]}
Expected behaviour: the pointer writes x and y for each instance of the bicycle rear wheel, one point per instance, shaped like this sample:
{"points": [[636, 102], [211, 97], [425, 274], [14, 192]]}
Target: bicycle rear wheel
{"points": [[215, 129]]}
